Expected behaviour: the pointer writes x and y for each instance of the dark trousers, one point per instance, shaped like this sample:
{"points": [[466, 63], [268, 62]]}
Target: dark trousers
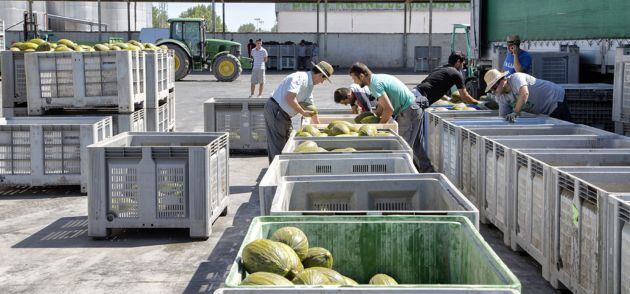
{"points": [[410, 127], [302, 62], [278, 128], [562, 112]]}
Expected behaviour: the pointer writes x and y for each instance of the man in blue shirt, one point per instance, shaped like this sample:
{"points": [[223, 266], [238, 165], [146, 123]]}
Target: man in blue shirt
{"points": [[521, 64]]}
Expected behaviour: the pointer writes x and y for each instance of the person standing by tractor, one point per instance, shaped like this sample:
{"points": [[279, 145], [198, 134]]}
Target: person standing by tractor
{"points": [[250, 46], [284, 103], [302, 55], [516, 60], [260, 56], [395, 100]]}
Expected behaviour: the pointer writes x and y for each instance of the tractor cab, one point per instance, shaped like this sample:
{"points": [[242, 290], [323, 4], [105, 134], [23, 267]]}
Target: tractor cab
{"points": [[194, 52]]}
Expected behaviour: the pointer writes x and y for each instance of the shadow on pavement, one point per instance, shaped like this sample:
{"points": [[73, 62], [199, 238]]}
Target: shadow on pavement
{"points": [[28, 193], [211, 273]]}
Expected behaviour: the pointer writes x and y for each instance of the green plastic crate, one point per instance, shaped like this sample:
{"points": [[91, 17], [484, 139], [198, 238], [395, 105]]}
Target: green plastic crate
{"points": [[418, 251]]}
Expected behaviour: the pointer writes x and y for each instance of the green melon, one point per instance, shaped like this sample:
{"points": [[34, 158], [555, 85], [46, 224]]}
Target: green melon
{"points": [[265, 279], [383, 279], [269, 256], [332, 275], [318, 257], [294, 237], [311, 276]]}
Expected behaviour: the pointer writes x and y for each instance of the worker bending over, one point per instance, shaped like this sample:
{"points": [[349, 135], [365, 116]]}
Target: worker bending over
{"points": [[356, 96], [440, 81]]}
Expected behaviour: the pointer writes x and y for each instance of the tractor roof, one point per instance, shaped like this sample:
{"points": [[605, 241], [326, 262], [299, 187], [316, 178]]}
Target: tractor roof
{"points": [[186, 19]]}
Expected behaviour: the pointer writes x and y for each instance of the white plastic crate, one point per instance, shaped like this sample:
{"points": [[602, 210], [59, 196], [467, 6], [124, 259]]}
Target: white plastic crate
{"points": [[617, 245], [621, 91], [13, 79], [452, 138], [494, 170], [325, 119], [157, 77], [114, 80], [131, 122], [49, 151], [153, 180], [328, 164], [14, 111], [162, 119], [579, 197], [531, 207], [413, 194], [433, 128], [361, 144]]}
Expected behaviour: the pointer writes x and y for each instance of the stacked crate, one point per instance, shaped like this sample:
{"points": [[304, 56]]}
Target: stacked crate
{"points": [[160, 104], [621, 95]]}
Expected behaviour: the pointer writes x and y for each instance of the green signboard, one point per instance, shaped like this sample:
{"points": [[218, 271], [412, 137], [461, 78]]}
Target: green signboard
{"points": [[556, 19]]}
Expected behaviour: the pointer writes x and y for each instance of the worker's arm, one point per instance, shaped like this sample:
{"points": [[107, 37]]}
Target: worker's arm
{"points": [[523, 95], [466, 96], [355, 109], [266, 56], [293, 103], [387, 110], [517, 62]]}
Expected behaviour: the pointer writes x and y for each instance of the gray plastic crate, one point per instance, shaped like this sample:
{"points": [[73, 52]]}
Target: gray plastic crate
{"points": [[617, 245], [451, 160], [621, 92], [328, 164], [468, 163], [131, 122], [242, 118], [49, 151], [531, 171], [371, 290], [114, 80], [153, 180], [413, 194], [579, 197], [361, 144], [557, 67], [494, 170], [622, 128], [13, 79], [590, 104], [157, 77], [364, 245], [14, 111], [433, 128], [162, 119], [170, 68]]}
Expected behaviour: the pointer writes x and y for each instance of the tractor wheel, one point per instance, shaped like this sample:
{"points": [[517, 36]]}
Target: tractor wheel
{"points": [[226, 68], [180, 61]]}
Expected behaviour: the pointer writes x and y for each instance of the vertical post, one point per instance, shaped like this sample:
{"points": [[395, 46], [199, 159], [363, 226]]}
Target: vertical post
{"points": [[135, 15], [326, 28], [100, 37], [318, 23], [128, 20], [223, 16], [214, 20], [404, 50], [430, 35]]}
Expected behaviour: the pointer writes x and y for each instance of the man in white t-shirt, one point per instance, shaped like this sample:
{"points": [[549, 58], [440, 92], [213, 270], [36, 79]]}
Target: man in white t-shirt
{"points": [[260, 56]]}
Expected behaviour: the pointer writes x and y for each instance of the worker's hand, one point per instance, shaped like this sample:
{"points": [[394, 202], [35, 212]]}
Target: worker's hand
{"points": [[308, 113], [515, 50], [511, 117]]}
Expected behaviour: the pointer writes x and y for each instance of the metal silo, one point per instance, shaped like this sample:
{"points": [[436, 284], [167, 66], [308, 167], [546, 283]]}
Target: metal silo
{"points": [[115, 14], [79, 10], [12, 12]]}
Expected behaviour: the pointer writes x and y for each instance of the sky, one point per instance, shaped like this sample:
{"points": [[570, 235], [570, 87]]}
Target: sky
{"points": [[236, 14]]}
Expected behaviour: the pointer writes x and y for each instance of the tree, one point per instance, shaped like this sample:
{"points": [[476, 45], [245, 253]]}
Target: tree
{"points": [[247, 28], [160, 18], [274, 29], [205, 12]]}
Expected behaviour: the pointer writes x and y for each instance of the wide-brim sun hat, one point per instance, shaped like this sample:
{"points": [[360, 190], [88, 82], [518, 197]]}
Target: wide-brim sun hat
{"points": [[492, 77], [325, 68]]}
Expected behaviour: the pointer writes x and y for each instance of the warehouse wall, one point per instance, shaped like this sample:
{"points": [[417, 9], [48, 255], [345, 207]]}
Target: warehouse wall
{"points": [[376, 50]]}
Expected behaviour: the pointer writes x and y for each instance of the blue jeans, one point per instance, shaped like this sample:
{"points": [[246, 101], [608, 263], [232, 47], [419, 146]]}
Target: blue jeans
{"points": [[410, 123]]}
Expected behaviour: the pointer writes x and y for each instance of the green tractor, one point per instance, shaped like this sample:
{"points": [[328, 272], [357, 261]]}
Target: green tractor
{"points": [[192, 52]]}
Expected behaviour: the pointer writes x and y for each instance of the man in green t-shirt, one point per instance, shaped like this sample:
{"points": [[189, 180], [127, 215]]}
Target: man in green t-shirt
{"points": [[395, 100]]}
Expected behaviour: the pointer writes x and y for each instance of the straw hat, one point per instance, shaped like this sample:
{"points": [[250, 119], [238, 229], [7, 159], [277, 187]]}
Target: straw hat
{"points": [[492, 77], [325, 68]]}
